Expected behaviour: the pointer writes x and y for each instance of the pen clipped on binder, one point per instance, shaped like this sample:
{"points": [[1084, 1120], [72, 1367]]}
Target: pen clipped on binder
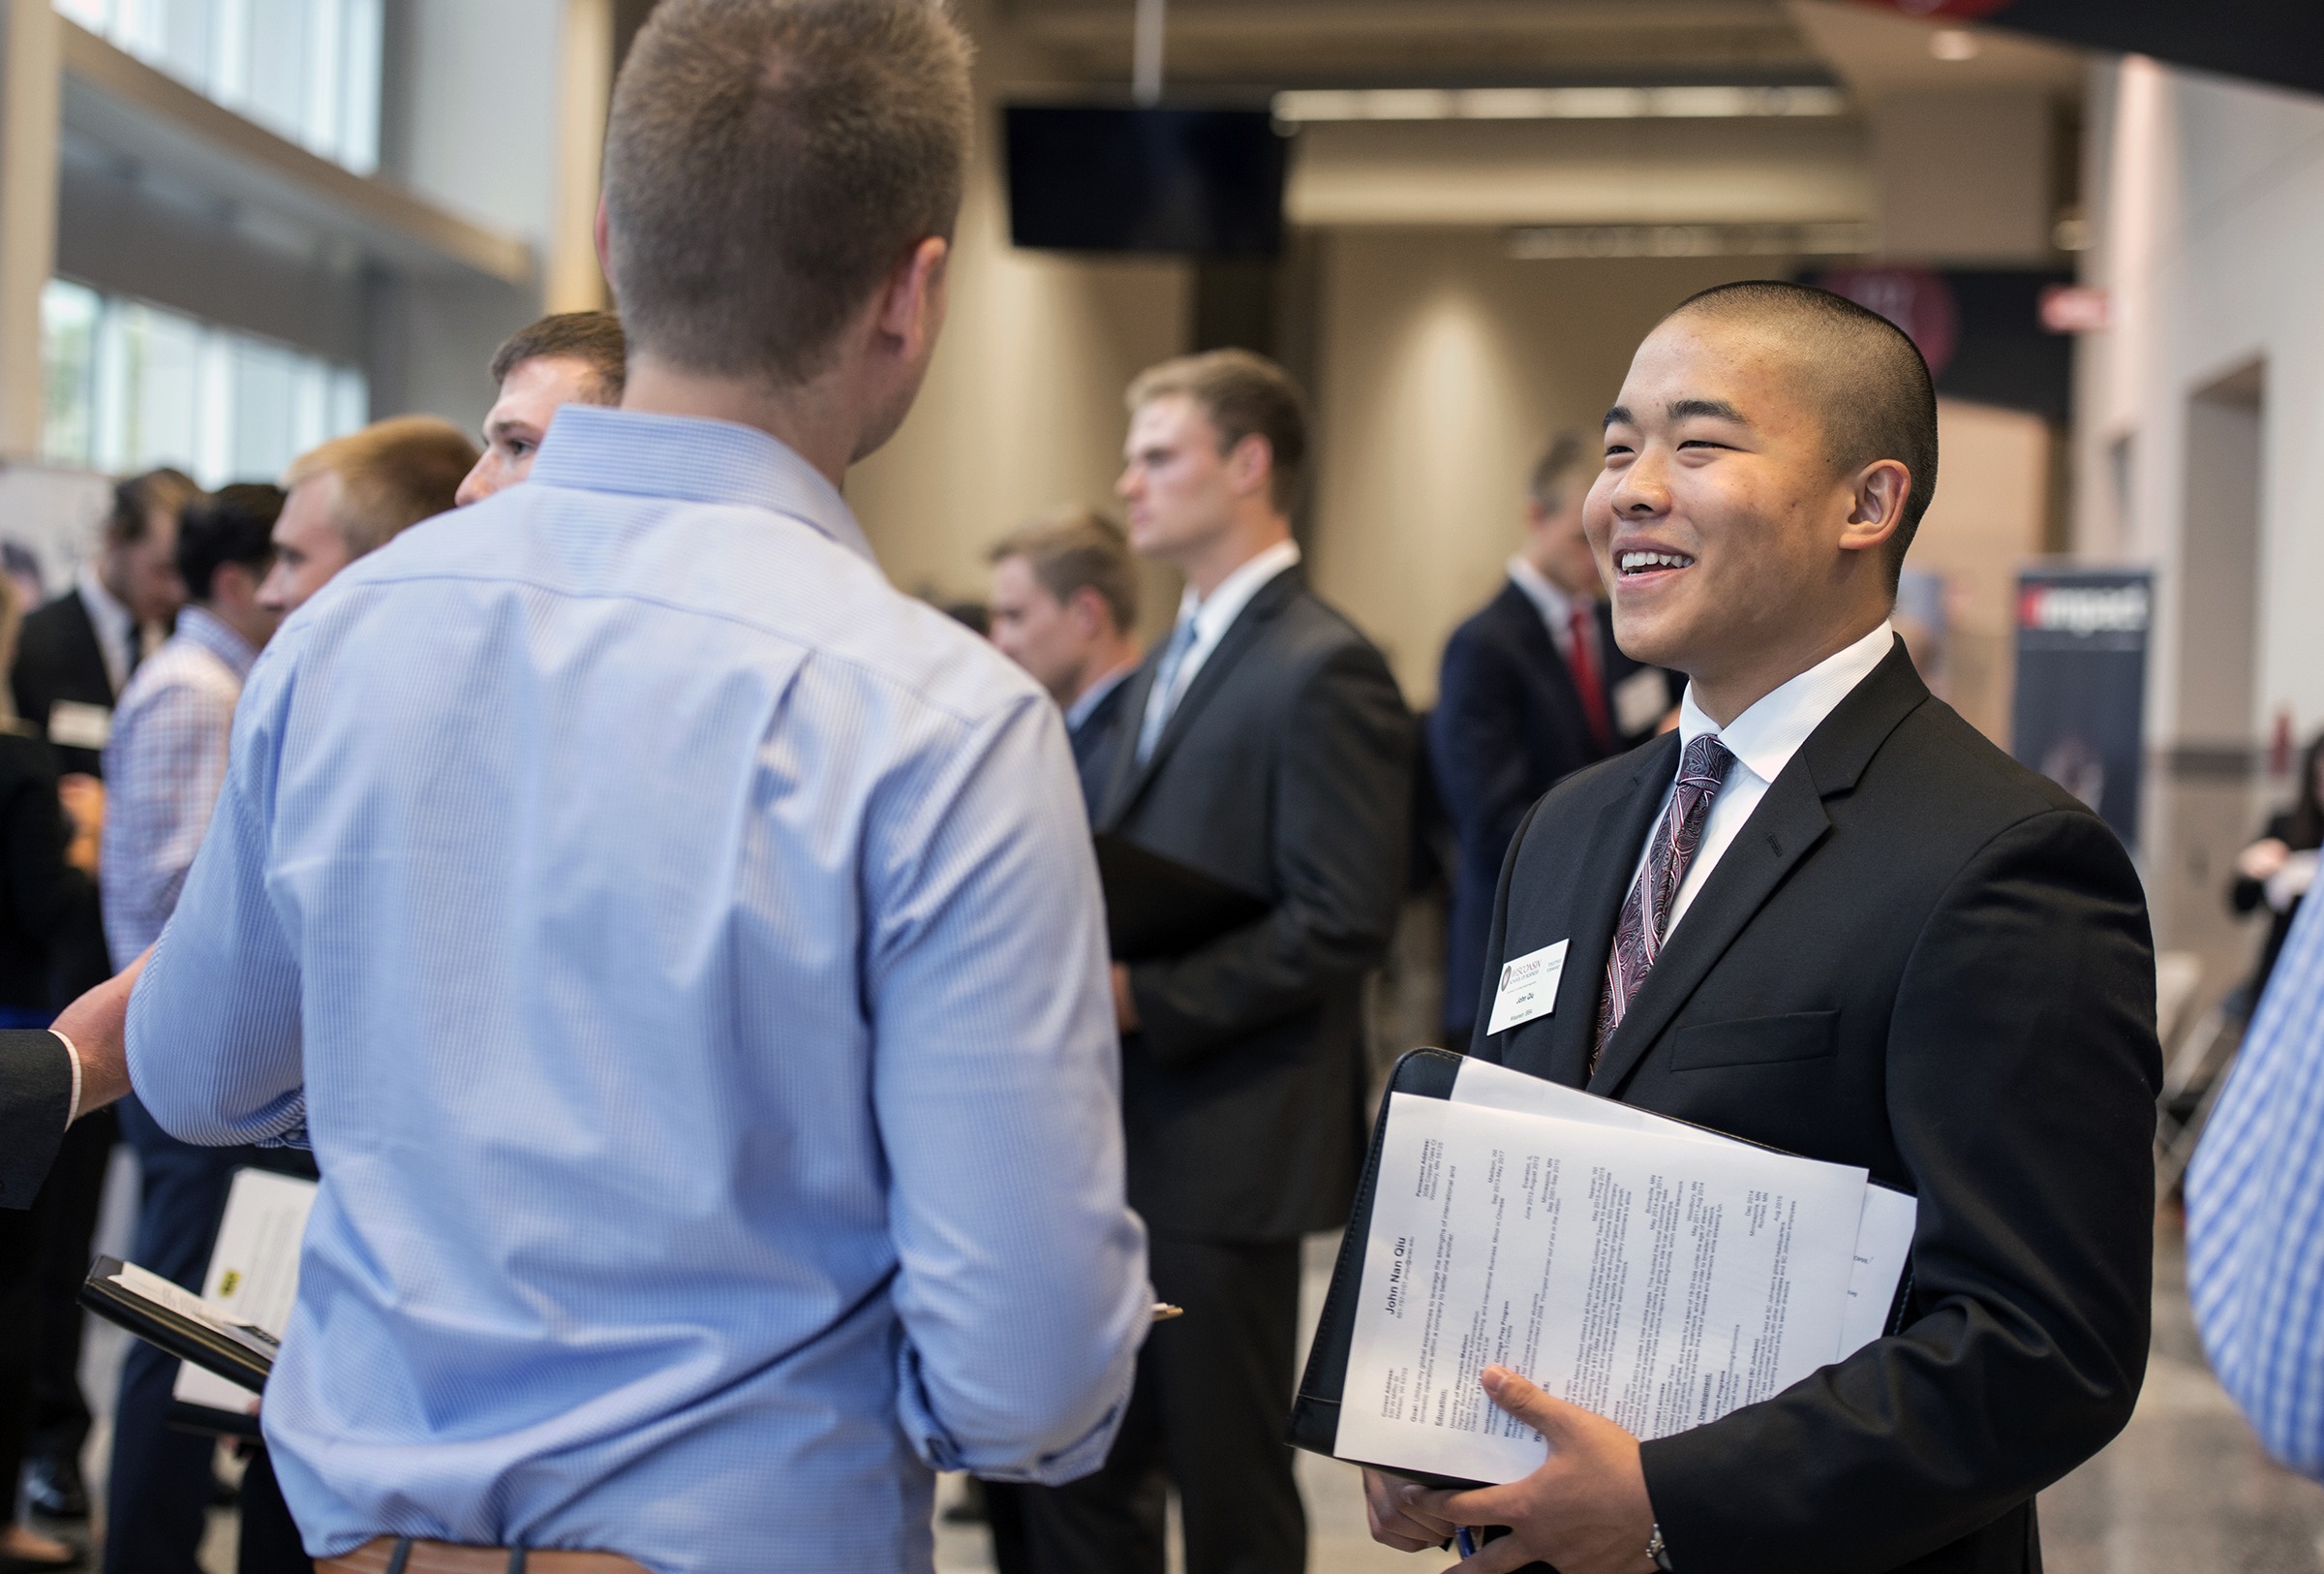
{"points": [[1164, 1312]]}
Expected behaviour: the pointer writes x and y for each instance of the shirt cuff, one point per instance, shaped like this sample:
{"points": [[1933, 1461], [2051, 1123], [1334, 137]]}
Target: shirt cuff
{"points": [[72, 1053]]}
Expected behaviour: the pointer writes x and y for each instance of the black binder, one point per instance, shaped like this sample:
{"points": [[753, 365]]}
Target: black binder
{"points": [[1157, 907], [238, 1353], [1425, 1073]]}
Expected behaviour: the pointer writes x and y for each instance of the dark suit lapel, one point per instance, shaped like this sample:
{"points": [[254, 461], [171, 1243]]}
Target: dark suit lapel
{"points": [[1599, 888], [1123, 762], [1788, 824], [1558, 687], [1272, 598]]}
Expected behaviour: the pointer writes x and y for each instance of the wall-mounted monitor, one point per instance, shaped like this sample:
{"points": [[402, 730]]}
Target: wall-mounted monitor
{"points": [[1183, 181]]}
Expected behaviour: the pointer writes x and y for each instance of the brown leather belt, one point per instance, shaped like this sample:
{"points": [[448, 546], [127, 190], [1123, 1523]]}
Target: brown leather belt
{"points": [[388, 1556]]}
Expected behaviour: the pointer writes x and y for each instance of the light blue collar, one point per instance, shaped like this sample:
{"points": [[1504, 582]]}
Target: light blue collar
{"points": [[693, 459]]}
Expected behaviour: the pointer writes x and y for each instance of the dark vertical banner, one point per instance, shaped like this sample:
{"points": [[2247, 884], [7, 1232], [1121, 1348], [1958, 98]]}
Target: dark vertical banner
{"points": [[2080, 716]]}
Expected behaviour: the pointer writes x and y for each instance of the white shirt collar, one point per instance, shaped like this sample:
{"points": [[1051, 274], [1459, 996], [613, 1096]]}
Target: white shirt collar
{"points": [[1556, 606], [1216, 612], [114, 626], [1764, 738]]}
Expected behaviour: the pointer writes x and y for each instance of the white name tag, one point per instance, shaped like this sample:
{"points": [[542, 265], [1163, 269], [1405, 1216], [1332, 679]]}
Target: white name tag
{"points": [[1640, 700], [1528, 987], [72, 725]]}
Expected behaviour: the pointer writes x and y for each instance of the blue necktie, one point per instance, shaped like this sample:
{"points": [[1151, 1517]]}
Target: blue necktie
{"points": [[1164, 699]]}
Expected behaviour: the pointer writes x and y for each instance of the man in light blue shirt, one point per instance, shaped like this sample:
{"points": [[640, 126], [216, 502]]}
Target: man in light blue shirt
{"points": [[683, 951]]}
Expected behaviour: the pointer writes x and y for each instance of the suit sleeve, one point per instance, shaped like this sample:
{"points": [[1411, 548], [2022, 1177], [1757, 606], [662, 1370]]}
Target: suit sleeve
{"points": [[1342, 804], [36, 1094], [2022, 1070], [1477, 747]]}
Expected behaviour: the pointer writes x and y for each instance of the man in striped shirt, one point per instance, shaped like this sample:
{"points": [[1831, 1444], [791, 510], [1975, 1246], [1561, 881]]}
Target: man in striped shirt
{"points": [[2255, 1211]]}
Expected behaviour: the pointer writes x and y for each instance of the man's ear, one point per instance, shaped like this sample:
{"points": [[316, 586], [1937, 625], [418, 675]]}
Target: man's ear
{"points": [[1252, 465], [603, 235], [911, 306], [1089, 611], [1876, 507]]}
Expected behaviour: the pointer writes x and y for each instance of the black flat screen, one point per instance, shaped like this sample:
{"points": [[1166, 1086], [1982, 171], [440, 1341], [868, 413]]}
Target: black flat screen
{"points": [[1198, 182]]}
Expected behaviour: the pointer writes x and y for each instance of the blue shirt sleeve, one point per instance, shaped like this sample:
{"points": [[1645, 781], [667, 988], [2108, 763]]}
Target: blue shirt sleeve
{"points": [[2255, 1211], [1021, 1279], [213, 1036]]}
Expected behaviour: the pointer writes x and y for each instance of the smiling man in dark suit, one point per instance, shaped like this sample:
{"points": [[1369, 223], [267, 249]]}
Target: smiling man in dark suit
{"points": [[1828, 916], [1533, 689], [1264, 745]]}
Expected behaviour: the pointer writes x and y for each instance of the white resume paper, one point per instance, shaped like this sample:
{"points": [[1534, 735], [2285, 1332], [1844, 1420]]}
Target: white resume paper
{"points": [[1656, 1278], [254, 1274]]}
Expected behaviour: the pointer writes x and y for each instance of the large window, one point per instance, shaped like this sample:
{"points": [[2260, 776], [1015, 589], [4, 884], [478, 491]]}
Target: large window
{"points": [[306, 69], [130, 387]]}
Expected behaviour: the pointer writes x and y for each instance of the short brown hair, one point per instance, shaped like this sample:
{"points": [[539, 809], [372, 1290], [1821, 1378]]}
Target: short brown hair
{"points": [[1244, 395], [1871, 388], [1563, 458], [593, 338], [137, 500], [767, 162], [1077, 550], [392, 475]]}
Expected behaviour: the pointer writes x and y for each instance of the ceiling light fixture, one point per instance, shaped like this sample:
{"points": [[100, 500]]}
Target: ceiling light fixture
{"points": [[1955, 43], [1307, 105], [1562, 243]]}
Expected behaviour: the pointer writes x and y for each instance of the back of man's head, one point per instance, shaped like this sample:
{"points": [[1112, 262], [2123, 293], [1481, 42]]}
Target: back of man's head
{"points": [[593, 339], [767, 163], [1862, 375], [392, 475], [234, 524], [1076, 550], [1243, 395], [137, 500]]}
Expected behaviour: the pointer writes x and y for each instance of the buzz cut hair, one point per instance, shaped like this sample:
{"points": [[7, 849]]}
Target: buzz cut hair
{"points": [[392, 475], [767, 163], [1870, 388], [1077, 549], [1243, 395], [593, 338]]}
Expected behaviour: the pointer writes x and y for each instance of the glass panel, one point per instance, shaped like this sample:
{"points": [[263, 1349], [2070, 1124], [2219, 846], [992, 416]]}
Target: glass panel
{"points": [[278, 66], [68, 371], [264, 401], [128, 386], [90, 13], [166, 391], [359, 110], [185, 42]]}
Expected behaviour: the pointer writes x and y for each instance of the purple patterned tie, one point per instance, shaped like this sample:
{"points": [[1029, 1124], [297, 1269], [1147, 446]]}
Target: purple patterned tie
{"points": [[1646, 911]]}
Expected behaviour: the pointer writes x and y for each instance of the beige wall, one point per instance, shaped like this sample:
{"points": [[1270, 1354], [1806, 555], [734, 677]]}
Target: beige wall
{"points": [[1021, 411], [1982, 526], [1444, 364]]}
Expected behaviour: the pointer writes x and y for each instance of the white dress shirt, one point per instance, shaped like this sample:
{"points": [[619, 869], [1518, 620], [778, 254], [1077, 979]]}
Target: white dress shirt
{"points": [[1214, 615], [1556, 606], [1763, 739]]}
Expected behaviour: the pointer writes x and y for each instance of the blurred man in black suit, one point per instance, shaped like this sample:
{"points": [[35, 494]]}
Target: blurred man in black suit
{"points": [[76, 652], [1065, 607], [73, 659], [1264, 745], [1828, 916], [1533, 689]]}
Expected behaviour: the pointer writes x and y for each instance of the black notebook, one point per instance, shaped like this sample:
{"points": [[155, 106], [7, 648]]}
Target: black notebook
{"points": [[1425, 1073], [180, 1322], [1156, 907]]}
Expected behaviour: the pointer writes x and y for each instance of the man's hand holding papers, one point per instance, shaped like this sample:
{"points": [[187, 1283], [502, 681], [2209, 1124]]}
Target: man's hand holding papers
{"points": [[1585, 1511]]}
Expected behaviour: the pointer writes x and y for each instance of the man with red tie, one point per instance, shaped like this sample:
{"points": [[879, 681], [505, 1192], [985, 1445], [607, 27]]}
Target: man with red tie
{"points": [[1533, 689]]}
